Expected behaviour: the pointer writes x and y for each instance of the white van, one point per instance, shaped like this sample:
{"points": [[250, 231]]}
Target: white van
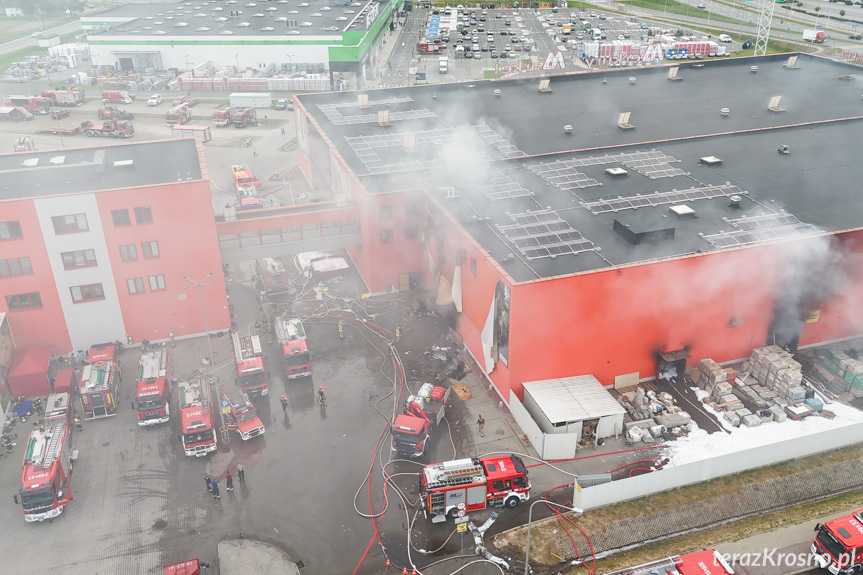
{"points": [[597, 35], [725, 38]]}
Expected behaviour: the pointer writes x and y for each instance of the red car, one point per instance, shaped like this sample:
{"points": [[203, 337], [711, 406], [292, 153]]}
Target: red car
{"points": [[188, 100], [59, 114]]}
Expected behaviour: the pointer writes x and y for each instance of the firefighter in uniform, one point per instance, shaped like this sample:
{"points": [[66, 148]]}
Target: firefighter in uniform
{"points": [[341, 329], [398, 333]]}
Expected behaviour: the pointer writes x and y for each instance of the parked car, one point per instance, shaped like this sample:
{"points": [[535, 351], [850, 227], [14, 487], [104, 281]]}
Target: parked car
{"points": [[155, 100], [494, 54], [281, 104], [188, 100], [59, 113], [855, 37]]}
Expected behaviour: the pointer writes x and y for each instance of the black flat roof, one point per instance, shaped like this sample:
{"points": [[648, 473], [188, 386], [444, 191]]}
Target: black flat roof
{"points": [[94, 169], [508, 155]]}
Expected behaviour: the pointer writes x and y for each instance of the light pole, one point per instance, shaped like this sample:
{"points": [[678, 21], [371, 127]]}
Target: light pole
{"points": [[200, 285], [529, 514], [187, 62], [237, 58]]}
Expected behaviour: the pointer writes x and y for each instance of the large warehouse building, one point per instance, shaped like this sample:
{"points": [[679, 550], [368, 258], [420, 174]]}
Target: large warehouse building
{"points": [[589, 226], [95, 244], [317, 36]]}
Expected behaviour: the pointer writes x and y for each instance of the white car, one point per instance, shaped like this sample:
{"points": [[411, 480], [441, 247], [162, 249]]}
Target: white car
{"points": [[155, 100]]}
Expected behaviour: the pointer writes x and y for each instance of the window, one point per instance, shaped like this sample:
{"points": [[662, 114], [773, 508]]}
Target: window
{"points": [[136, 285], [87, 293], [386, 236], [411, 231], [23, 301], [385, 212], [150, 249], [9, 230], [15, 267], [157, 282], [143, 215], [70, 224], [473, 266], [411, 209], [121, 217], [128, 253], [79, 259]]}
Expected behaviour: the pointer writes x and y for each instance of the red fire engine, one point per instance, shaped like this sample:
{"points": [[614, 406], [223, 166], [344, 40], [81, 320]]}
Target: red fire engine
{"points": [[190, 567], [477, 483], [412, 429], [429, 47], [247, 186], [196, 417], [707, 562], [293, 346], [251, 376], [838, 545], [242, 416], [100, 379], [47, 466], [273, 275], [154, 389], [71, 96], [34, 104]]}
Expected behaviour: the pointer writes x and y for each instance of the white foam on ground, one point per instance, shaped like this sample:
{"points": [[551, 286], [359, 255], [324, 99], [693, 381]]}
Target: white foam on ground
{"points": [[700, 445]]}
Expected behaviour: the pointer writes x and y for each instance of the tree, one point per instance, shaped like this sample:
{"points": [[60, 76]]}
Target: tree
{"points": [[818, 8], [842, 12]]}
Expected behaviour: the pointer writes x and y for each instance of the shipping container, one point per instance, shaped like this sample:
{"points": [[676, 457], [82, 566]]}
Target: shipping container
{"points": [[201, 132], [251, 99]]}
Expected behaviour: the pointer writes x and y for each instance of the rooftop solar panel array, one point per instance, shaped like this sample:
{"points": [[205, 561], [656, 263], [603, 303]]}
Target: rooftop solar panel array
{"points": [[335, 116], [653, 164], [544, 234], [662, 198], [764, 221], [747, 237], [498, 142], [563, 174], [501, 187]]}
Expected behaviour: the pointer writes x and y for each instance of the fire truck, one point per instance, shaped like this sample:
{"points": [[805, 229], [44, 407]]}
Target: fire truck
{"points": [[189, 567], [222, 116], [243, 117], [47, 467], [274, 276], [154, 389], [707, 562], [196, 417], [293, 346], [246, 185], [110, 112], [838, 544], [178, 115], [57, 409], [251, 376], [109, 129], [100, 379], [242, 416], [429, 47], [71, 96], [36, 105], [424, 411], [499, 481]]}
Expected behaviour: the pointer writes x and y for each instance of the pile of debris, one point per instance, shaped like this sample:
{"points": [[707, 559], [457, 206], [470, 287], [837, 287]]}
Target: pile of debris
{"points": [[653, 416], [842, 374], [769, 388], [34, 68]]}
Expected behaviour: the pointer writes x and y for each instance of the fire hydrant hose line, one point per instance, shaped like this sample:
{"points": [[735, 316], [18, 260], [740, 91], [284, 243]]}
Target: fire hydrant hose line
{"points": [[560, 517]]}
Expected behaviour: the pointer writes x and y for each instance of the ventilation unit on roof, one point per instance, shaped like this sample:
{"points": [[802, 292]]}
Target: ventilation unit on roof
{"points": [[672, 73], [636, 237], [123, 163], [773, 106], [409, 142], [791, 64], [362, 101], [710, 161], [735, 201], [623, 121], [544, 86], [384, 118], [682, 211]]}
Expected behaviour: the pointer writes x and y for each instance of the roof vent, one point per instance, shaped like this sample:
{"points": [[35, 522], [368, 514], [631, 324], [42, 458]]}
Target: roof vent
{"points": [[362, 100], [623, 121], [792, 63], [642, 236], [409, 142], [672, 73], [735, 201], [682, 211], [123, 163], [710, 161], [773, 106], [544, 86], [30, 162]]}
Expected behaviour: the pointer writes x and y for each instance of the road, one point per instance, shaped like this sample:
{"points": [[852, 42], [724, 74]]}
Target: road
{"points": [[27, 41]]}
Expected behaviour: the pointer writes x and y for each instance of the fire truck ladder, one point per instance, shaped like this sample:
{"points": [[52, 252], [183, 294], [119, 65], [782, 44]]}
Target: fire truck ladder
{"points": [[53, 444], [238, 349], [449, 477], [204, 384], [667, 565]]}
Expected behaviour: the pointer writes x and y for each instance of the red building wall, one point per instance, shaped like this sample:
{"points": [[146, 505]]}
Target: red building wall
{"points": [[31, 327], [184, 227]]}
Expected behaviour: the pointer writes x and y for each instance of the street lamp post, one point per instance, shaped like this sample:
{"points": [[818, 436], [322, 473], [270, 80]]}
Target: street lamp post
{"points": [[529, 516], [200, 285], [237, 58]]}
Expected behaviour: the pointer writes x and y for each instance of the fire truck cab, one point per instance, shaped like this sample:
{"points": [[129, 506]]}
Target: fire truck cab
{"points": [[499, 481], [273, 275], [246, 185], [424, 411], [196, 417], [189, 567], [47, 467], [242, 416], [838, 544], [251, 376], [707, 562], [293, 346], [100, 380], [154, 388]]}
